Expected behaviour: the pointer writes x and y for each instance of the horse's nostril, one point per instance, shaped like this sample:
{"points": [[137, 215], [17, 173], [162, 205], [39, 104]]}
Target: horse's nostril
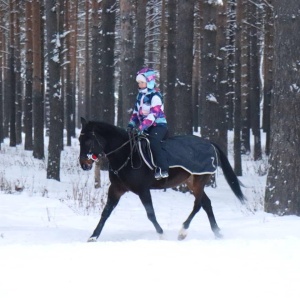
{"points": [[86, 167]]}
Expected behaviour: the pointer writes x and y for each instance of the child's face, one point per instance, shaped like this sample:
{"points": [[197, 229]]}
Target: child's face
{"points": [[142, 84]]}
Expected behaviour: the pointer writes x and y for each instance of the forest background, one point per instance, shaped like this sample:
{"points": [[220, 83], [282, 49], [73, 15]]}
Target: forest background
{"points": [[222, 66]]}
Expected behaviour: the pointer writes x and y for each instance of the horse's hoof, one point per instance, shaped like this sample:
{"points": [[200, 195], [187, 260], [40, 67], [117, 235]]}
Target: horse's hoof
{"points": [[181, 237], [92, 239], [161, 236], [218, 235], [182, 234]]}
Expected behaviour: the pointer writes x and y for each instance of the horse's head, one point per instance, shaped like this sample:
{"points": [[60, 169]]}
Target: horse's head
{"points": [[91, 146]]}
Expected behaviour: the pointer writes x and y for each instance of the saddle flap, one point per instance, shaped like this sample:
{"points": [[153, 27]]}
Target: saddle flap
{"points": [[194, 154]]}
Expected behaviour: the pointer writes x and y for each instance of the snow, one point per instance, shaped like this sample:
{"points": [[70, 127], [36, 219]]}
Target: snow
{"points": [[210, 27], [211, 98], [294, 88], [215, 2], [44, 226]]}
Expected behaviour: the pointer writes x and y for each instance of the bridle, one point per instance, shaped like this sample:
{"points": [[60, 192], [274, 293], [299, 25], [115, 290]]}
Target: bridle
{"points": [[91, 155], [133, 146]]}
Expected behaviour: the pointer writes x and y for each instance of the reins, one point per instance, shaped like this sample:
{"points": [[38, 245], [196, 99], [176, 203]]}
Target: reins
{"points": [[113, 151], [133, 146]]}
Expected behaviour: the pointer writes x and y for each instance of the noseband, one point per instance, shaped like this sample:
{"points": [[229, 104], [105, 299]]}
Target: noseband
{"points": [[91, 155]]}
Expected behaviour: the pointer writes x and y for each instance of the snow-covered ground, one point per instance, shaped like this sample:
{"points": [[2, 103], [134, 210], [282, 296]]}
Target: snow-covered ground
{"points": [[44, 226]]}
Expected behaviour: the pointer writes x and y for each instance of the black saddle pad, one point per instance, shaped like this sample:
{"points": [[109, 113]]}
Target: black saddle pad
{"points": [[194, 154]]}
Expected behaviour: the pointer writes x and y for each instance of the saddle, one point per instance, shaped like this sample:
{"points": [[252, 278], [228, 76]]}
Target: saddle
{"points": [[194, 154]]}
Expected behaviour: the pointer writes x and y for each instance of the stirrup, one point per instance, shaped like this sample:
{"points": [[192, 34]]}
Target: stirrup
{"points": [[164, 174], [159, 174]]}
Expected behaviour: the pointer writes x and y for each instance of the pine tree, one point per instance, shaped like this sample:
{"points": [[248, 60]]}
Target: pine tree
{"points": [[283, 181]]}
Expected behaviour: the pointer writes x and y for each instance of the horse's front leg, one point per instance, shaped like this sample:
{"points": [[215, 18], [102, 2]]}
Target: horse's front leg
{"points": [[146, 199], [114, 194]]}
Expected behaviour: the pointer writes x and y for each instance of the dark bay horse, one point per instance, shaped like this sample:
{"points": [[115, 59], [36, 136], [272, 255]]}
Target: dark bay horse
{"points": [[128, 172]]}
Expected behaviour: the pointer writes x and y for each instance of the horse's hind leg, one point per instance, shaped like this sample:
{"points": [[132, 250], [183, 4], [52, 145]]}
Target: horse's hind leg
{"points": [[114, 194], [186, 224], [197, 184], [146, 199], [206, 204]]}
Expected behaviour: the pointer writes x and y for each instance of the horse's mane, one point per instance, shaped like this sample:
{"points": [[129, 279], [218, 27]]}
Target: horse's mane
{"points": [[104, 127]]}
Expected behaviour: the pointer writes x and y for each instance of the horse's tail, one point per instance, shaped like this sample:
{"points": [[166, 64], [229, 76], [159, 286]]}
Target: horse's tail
{"points": [[229, 174]]}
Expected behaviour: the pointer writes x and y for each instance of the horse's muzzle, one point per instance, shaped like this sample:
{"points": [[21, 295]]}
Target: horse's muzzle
{"points": [[86, 164]]}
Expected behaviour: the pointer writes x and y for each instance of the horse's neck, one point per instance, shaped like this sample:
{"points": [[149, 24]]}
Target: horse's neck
{"points": [[110, 133], [115, 139], [117, 147]]}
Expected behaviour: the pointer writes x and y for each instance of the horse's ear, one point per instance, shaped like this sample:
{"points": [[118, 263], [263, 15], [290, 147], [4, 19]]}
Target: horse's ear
{"points": [[83, 122]]}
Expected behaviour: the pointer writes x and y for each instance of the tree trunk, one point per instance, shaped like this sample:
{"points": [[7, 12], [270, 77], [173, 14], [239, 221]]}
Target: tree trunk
{"points": [[283, 181], [2, 49], [18, 71], [196, 68], [245, 75], [96, 68], [28, 79], [87, 88], [184, 68], [171, 66], [53, 27], [37, 93], [127, 64], [140, 36], [163, 49], [12, 74], [209, 101], [71, 45], [230, 98], [238, 95], [150, 37], [107, 99], [268, 72], [222, 80], [255, 80], [6, 82]]}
